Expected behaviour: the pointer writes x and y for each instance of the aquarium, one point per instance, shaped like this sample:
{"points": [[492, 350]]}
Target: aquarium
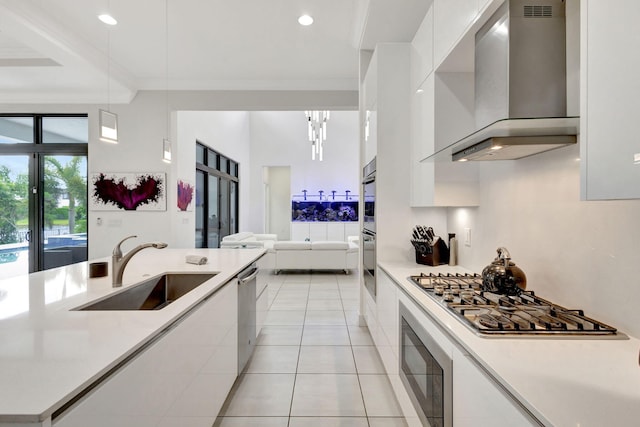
{"points": [[329, 211]]}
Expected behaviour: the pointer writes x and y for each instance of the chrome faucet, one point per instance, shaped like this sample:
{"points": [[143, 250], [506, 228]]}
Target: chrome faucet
{"points": [[119, 262]]}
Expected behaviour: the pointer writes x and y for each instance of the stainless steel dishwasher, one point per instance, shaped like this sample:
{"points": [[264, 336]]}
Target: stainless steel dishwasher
{"points": [[246, 314]]}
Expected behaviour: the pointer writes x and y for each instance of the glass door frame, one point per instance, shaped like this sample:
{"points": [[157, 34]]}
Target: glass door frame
{"points": [[37, 150]]}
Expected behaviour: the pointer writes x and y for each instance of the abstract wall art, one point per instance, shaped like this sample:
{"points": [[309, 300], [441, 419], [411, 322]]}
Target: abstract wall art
{"points": [[185, 195], [143, 191]]}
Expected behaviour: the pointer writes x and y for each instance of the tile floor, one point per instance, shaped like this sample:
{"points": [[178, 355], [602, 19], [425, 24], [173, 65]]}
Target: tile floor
{"points": [[313, 365]]}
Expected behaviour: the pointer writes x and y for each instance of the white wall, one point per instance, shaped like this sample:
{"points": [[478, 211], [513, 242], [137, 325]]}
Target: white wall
{"points": [[142, 126], [226, 132], [578, 254], [279, 138]]}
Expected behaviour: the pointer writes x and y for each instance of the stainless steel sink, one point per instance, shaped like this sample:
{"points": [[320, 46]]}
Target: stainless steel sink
{"points": [[152, 294]]}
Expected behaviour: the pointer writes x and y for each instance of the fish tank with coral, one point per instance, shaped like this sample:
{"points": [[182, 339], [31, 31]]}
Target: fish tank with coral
{"points": [[328, 211]]}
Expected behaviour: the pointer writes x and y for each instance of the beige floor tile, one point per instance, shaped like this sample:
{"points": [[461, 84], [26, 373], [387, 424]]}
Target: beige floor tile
{"points": [[251, 422], [379, 398], [332, 359], [296, 277], [367, 360], [315, 293], [280, 335], [325, 317], [359, 334], [325, 335], [273, 359], [327, 395], [387, 422], [183, 422], [260, 395], [294, 288], [324, 304], [353, 317], [350, 304], [285, 318], [289, 304], [328, 422]]}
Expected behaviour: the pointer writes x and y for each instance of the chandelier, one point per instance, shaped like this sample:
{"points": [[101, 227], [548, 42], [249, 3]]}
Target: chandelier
{"points": [[317, 123]]}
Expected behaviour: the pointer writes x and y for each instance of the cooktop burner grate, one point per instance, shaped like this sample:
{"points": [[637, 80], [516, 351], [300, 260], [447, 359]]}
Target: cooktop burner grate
{"points": [[495, 314]]}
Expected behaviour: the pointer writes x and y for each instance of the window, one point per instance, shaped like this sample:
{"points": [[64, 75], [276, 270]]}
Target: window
{"points": [[216, 197]]}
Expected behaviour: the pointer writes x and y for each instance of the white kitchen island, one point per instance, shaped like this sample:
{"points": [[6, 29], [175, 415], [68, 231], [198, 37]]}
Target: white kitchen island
{"points": [[559, 381], [51, 353]]}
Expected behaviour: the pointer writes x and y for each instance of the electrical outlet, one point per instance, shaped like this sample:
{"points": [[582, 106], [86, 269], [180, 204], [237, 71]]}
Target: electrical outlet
{"points": [[467, 237]]}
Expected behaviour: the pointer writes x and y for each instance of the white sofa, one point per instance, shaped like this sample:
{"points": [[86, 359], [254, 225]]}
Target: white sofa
{"points": [[247, 239], [319, 255]]}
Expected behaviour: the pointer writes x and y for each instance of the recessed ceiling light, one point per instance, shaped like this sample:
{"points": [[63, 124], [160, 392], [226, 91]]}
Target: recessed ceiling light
{"points": [[107, 19], [305, 20]]}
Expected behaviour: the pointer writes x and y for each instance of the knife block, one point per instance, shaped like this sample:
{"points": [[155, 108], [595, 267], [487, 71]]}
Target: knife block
{"points": [[437, 254]]}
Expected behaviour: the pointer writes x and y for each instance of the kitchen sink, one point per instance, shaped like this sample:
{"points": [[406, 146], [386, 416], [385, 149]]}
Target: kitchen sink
{"points": [[152, 294]]}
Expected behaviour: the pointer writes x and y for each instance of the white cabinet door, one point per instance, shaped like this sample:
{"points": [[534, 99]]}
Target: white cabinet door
{"points": [[351, 229], [299, 231], [422, 51], [451, 18], [318, 231], [335, 231], [182, 378], [610, 70], [262, 291], [479, 401], [388, 323]]}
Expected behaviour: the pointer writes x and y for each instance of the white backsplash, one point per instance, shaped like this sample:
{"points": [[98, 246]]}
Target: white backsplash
{"points": [[578, 254]]}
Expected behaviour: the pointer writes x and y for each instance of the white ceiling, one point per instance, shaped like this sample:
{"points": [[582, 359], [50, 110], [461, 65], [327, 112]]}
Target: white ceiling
{"points": [[56, 51]]}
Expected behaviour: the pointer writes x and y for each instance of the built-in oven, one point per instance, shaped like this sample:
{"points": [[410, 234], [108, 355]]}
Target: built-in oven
{"points": [[426, 372], [369, 261], [368, 235]]}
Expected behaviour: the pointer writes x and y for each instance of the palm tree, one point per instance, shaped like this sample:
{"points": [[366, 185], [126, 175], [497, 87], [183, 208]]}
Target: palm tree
{"points": [[75, 183]]}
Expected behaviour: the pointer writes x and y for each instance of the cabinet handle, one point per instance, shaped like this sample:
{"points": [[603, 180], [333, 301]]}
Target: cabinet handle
{"points": [[248, 278]]}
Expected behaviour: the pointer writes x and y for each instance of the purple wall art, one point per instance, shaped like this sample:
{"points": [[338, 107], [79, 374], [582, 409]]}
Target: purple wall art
{"points": [[114, 191], [185, 195]]}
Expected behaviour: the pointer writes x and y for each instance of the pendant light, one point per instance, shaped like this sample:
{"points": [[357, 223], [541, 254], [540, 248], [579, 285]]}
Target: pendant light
{"points": [[317, 129], [166, 142], [108, 121]]}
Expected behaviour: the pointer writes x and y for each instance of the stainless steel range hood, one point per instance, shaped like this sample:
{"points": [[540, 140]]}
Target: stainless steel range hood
{"points": [[520, 85]]}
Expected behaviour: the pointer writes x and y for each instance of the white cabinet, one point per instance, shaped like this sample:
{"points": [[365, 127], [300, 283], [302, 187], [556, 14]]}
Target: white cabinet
{"points": [[442, 111], [388, 324], [610, 66], [370, 102], [321, 231], [182, 378], [422, 51], [479, 401], [262, 292], [299, 231], [451, 19]]}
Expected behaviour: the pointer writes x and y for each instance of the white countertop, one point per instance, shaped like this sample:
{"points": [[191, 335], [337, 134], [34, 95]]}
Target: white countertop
{"points": [[49, 352], [578, 382]]}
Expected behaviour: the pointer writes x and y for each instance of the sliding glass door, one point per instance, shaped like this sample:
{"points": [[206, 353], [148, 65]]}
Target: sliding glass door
{"points": [[15, 227], [43, 192]]}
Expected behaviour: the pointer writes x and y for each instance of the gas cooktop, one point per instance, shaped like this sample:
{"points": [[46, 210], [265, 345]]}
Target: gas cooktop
{"points": [[494, 314]]}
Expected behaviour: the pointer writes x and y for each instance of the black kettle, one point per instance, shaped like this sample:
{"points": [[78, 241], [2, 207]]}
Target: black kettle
{"points": [[502, 276]]}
